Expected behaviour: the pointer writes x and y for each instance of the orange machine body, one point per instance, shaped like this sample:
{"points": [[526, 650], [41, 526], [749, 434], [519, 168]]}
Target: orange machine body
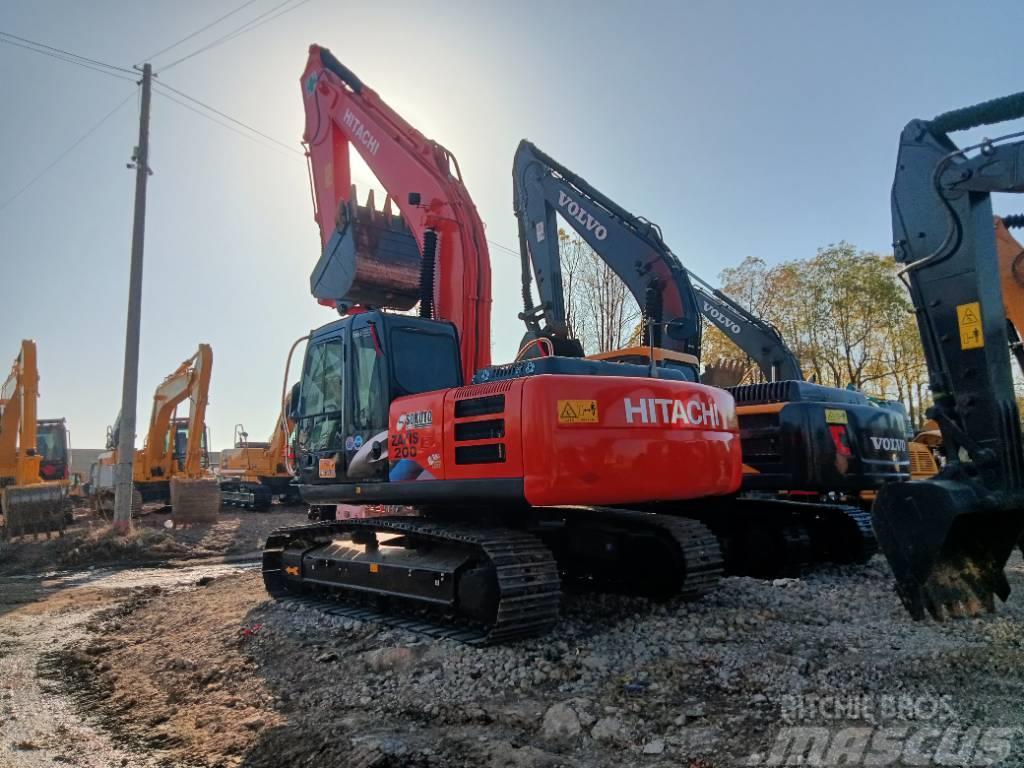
{"points": [[572, 439]]}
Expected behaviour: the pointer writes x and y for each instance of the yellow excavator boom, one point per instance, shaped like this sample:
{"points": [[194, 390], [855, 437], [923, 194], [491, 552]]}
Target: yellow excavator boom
{"points": [[28, 504], [190, 381]]}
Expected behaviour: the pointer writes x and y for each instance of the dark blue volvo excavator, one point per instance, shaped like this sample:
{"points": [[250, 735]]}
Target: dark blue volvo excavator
{"points": [[811, 453]]}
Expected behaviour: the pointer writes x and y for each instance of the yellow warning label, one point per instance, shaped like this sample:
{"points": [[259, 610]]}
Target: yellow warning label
{"points": [[836, 416], [327, 468], [968, 317], [577, 412]]}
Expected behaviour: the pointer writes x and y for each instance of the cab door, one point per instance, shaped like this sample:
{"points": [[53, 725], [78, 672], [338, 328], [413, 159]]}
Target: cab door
{"points": [[320, 423], [370, 397]]}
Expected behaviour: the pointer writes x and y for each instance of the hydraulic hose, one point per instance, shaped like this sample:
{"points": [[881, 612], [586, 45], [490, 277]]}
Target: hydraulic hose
{"points": [[282, 421], [427, 267], [986, 113]]}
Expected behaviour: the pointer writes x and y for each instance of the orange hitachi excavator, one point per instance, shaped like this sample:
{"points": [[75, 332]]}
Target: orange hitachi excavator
{"points": [[539, 473]]}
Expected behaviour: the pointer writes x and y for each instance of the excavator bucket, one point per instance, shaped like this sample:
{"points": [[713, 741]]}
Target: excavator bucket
{"points": [[371, 259], [947, 545], [194, 500], [37, 508]]}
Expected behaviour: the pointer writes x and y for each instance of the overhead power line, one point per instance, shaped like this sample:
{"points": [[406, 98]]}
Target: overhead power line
{"points": [[247, 27], [213, 23], [61, 51], [70, 60], [221, 123], [504, 248], [66, 152], [234, 120]]}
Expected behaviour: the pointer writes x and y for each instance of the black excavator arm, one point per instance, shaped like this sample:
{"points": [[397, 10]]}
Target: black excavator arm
{"points": [[635, 250], [632, 246], [759, 339], [948, 538]]}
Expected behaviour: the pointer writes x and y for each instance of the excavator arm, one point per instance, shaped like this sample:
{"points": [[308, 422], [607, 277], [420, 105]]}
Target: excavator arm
{"points": [[759, 339], [632, 246], [190, 381], [948, 538], [364, 260]]}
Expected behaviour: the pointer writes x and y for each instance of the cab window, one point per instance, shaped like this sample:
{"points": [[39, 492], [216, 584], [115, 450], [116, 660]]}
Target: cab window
{"points": [[369, 404], [322, 379], [424, 361]]}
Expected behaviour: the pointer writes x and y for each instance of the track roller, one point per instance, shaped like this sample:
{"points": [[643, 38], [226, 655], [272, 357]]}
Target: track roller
{"points": [[501, 584], [635, 552]]}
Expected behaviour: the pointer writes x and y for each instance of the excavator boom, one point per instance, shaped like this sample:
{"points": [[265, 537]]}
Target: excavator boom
{"points": [[632, 246], [369, 257], [190, 381], [948, 538], [28, 503]]}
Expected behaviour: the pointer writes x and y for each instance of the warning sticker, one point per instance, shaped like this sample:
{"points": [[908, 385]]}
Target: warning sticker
{"points": [[327, 468], [577, 412], [968, 317], [836, 416]]}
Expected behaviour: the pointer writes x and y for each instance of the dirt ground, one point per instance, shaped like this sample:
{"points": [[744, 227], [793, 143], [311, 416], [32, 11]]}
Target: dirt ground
{"points": [[181, 659], [198, 668], [88, 541]]}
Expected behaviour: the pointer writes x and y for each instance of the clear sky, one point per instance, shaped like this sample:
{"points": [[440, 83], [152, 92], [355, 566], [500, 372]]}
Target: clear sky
{"points": [[743, 128]]}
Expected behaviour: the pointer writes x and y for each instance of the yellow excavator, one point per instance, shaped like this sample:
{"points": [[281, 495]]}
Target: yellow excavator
{"points": [[174, 455], [28, 503], [252, 474]]}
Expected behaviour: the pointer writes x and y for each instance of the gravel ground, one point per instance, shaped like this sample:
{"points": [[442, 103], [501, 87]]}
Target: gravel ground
{"points": [[221, 676]]}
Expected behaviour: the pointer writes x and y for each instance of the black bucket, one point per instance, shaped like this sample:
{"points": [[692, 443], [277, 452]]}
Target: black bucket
{"points": [[947, 543], [371, 259]]}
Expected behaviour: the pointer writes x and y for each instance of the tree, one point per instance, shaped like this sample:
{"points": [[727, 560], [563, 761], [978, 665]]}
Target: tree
{"points": [[844, 314], [600, 311]]}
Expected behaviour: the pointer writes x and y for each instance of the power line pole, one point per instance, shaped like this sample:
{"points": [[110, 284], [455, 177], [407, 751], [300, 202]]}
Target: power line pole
{"points": [[129, 388]]}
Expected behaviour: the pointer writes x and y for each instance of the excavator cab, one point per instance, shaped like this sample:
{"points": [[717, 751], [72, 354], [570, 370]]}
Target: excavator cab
{"points": [[179, 433], [352, 371], [54, 449]]}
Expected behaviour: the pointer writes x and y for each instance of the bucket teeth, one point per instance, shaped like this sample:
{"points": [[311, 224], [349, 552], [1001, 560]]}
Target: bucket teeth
{"points": [[372, 259], [947, 543]]}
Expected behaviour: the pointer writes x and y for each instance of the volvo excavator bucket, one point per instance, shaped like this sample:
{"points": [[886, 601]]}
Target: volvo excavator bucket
{"points": [[947, 543], [371, 259]]}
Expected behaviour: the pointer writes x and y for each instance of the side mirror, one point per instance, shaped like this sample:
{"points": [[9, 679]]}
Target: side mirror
{"points": [[681, 328]]}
